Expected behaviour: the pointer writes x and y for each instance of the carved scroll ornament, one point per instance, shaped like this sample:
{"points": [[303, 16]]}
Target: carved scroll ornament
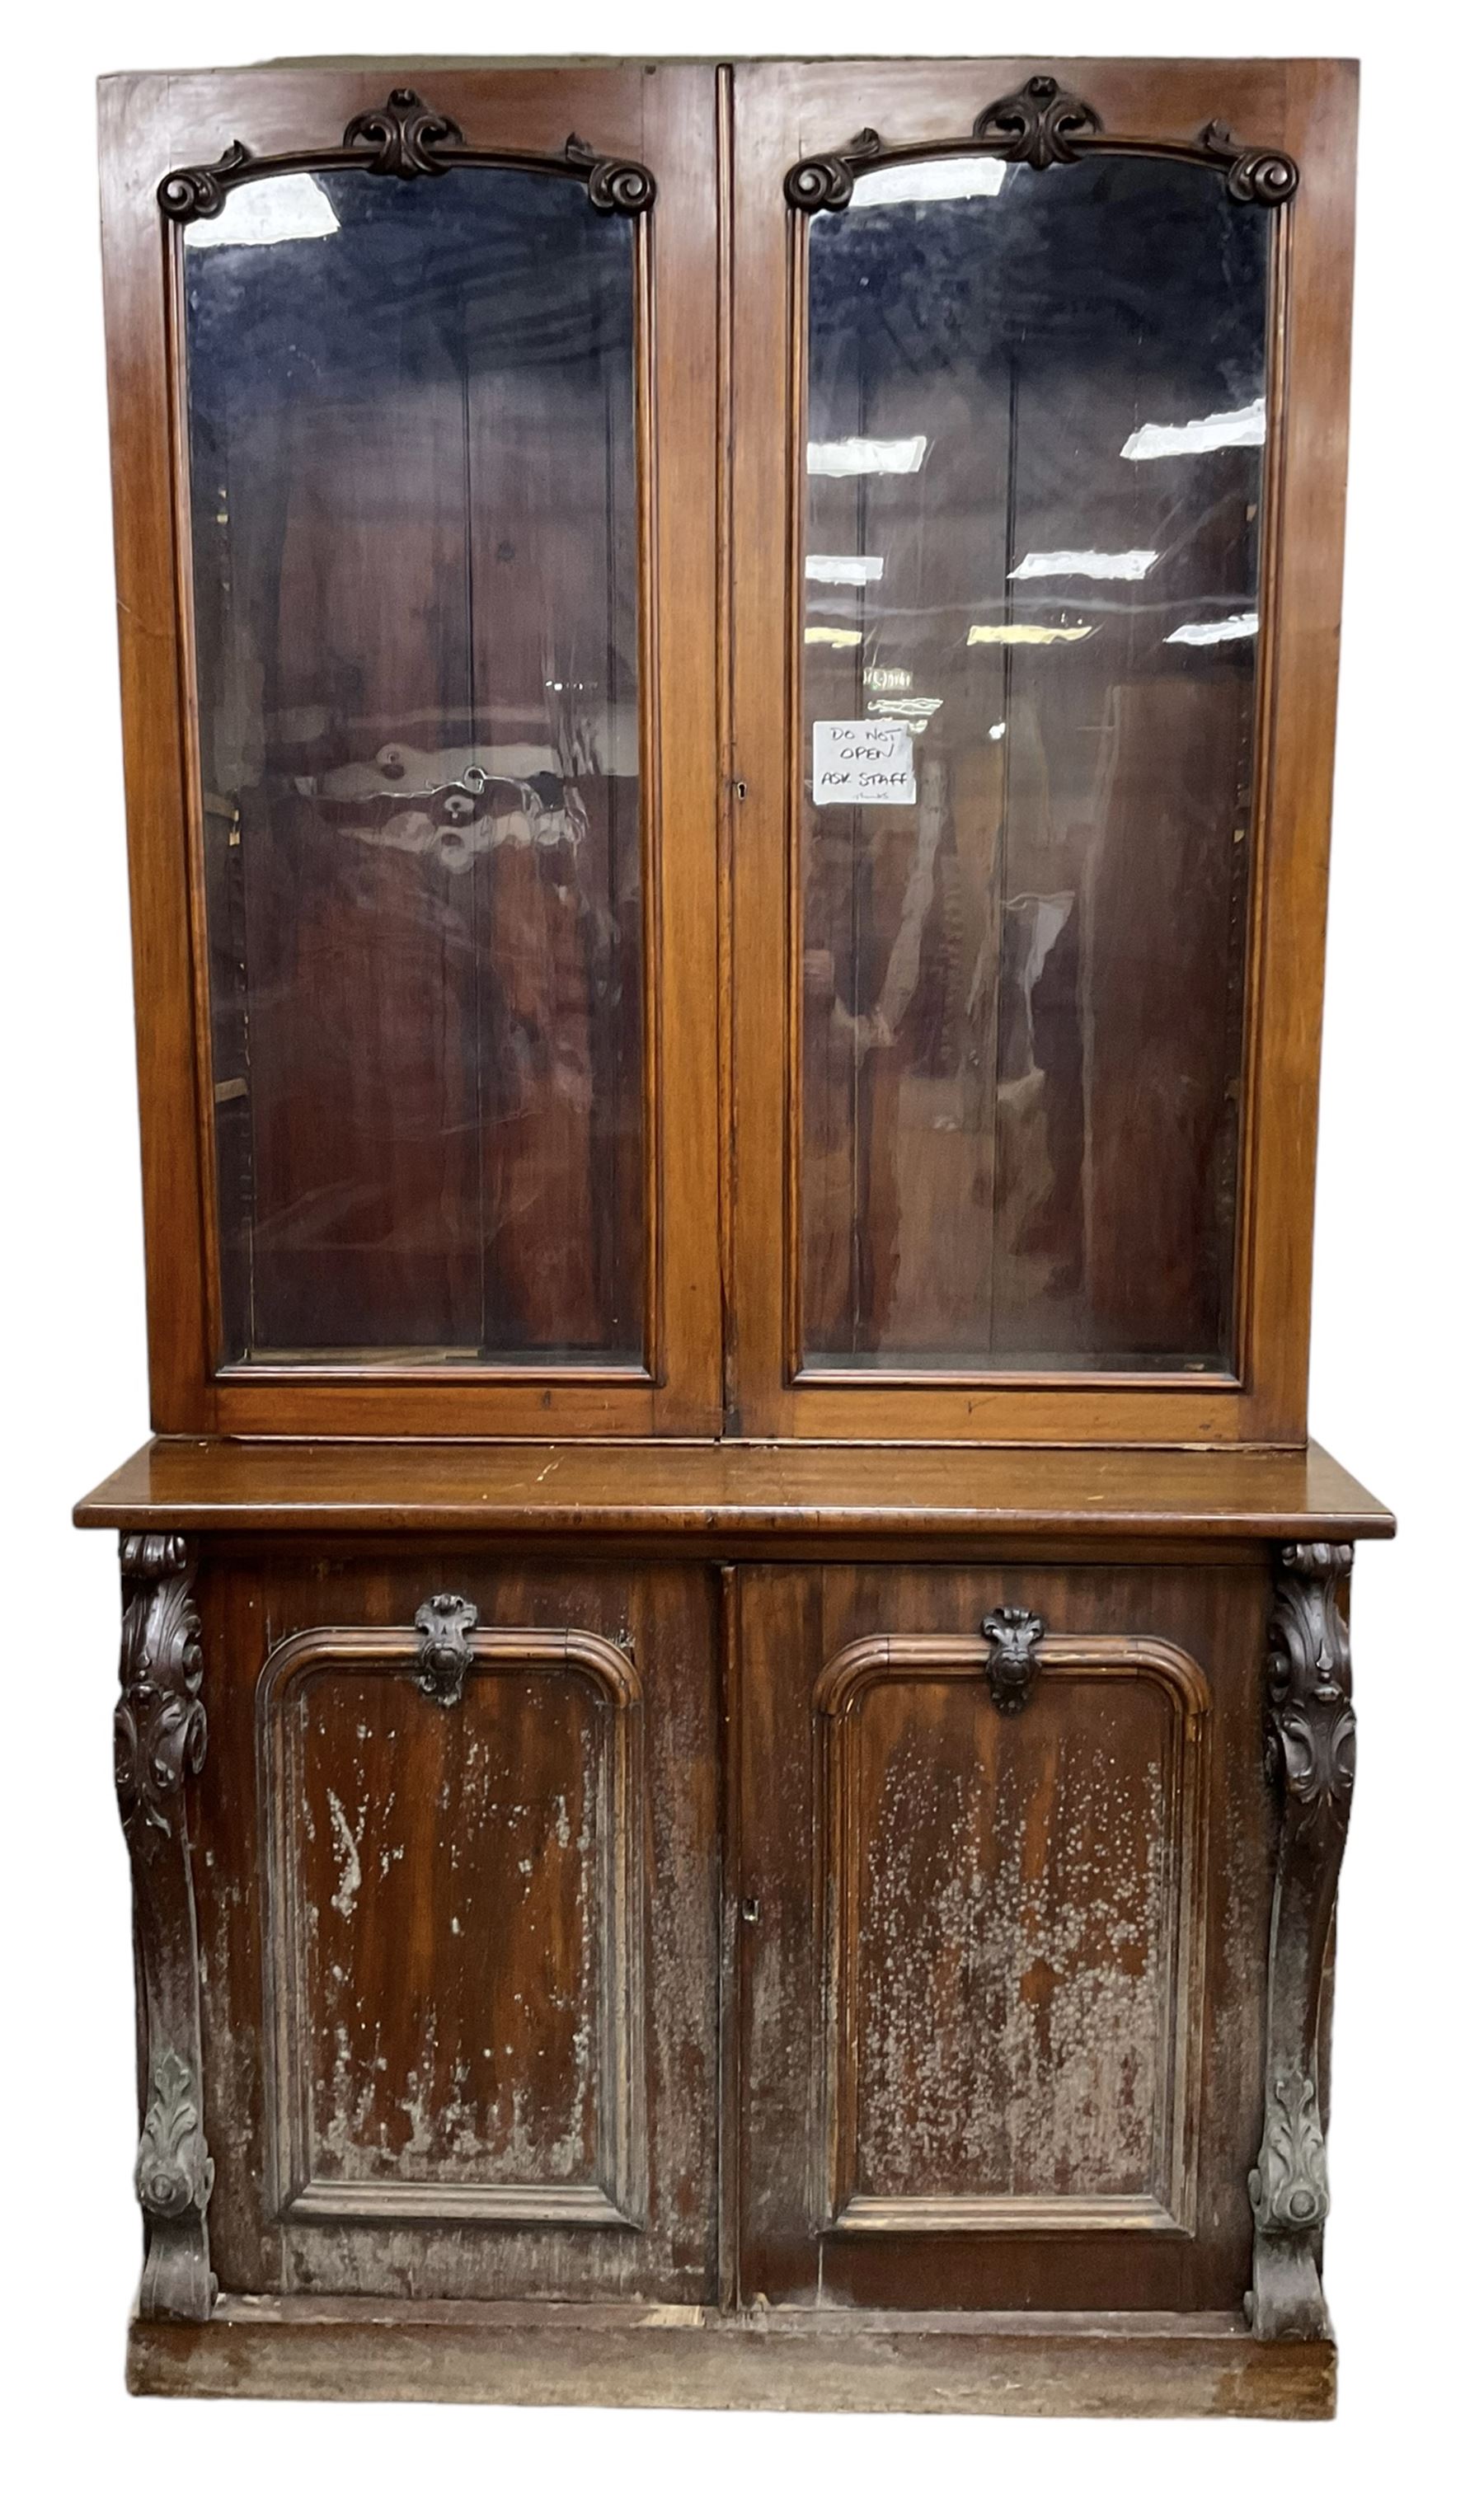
{"points": [[1040, 126], [1311, 1759], [406, 139], [159, 1722], [174, 2171], [159, 1737]]}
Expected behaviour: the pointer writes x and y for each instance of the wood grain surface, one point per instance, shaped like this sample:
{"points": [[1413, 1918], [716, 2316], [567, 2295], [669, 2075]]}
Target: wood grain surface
{"points": [[719, 1492]]}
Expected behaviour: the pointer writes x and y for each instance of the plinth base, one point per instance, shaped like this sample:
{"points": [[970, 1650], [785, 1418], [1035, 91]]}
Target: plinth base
{"points": [[1117, 2366]]}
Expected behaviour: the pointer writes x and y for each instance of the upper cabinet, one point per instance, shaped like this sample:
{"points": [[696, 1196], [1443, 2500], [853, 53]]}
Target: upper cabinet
{"points": [[1041, 397], [750, 744], [439, 376]]}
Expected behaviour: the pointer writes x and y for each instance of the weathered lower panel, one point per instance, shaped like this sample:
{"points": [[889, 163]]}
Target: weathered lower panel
{"points": [[456, 1887], [1009, 1858]]}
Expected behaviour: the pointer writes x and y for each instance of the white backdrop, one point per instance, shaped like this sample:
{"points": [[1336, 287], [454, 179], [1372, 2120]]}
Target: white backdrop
{"points": [[1396, 1384]]}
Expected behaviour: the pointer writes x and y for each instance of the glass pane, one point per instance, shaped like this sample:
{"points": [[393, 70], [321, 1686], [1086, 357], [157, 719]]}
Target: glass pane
{"points": [[412, 465], [1029, 602]]}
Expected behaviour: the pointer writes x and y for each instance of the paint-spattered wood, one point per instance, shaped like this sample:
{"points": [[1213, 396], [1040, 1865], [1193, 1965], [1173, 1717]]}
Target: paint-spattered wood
{"points": [[458, 2011], [997, 1996], [1014, 1953], [456, 1942]]}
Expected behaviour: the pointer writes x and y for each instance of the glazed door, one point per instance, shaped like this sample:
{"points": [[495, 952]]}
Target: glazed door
{"points": [[1034, 378], [1005, 1872], [444, 372]]}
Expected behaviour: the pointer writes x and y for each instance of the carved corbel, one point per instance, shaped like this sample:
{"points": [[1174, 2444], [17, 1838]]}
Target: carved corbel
{"points": [[159, 1737], [1311, 1760]]}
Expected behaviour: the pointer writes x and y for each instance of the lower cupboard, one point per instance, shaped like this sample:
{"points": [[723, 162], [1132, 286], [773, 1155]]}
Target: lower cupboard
{"points": [[1010, 1939], [756, 1944]]}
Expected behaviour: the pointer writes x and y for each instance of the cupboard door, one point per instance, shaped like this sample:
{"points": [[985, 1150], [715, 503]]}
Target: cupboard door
{"points": [[473, 1911], [1010, 558], [447, 503], [1008, 1895]]}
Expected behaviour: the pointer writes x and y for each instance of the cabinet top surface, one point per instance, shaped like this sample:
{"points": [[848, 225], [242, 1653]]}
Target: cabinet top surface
{"points": [[734, 1489]]}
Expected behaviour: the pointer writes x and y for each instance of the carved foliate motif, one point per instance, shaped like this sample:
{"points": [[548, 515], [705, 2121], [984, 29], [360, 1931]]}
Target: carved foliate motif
{"points": [[404, 136], [174, 2170], [159, 1739], [1265, 176], [1290, 2185], [1040, 125], [444, 1622], [827, 183], [159, 1722], [1013, 1634], [198, 192], [1310, 1756], [1311, 1724], [612, 183]]}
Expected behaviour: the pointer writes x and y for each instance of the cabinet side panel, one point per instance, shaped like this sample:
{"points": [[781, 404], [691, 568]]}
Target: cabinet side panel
{"points": [[135, 141]]}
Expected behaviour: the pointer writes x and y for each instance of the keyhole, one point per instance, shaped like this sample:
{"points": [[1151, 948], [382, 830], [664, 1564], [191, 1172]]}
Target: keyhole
{"points": [[751, 1909]]}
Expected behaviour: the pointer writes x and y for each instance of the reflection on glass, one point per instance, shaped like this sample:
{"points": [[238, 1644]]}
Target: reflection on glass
{"points": [[1035, 410], [412, 465]]}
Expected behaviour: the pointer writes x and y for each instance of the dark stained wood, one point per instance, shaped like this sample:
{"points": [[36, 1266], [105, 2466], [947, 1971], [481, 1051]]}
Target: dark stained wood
{"points": [[1091, 2366], [719, 1492], [1311, 1758], [983, 2016], [522, 2097], [159, 1738], [488, 2067], [720, 1879]]}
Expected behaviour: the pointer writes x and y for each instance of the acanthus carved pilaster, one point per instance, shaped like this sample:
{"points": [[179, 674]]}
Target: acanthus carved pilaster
{"points": [[1290, 2185], [1312, 1722], [174, 2170], [159, 1739], [160, 1724], [1310, 1754]]}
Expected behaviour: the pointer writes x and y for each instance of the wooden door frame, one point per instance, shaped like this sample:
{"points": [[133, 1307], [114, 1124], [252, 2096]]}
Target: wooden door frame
{"points": [[789, 111], [663, 118]]}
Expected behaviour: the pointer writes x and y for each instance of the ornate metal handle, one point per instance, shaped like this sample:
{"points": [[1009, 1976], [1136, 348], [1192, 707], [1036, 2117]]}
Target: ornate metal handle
{"points": [[446, 1623], [1013, 1634]]}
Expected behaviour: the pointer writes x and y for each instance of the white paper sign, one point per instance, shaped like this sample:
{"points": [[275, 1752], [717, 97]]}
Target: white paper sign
{"points": [[858, 760]]}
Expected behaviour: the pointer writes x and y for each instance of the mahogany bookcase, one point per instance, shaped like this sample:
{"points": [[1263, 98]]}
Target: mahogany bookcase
{"points": [[735, 1727]]}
